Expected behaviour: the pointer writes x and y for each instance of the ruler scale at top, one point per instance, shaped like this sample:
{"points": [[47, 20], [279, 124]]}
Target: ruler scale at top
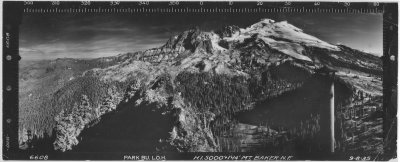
{"points": [[200, 7]]}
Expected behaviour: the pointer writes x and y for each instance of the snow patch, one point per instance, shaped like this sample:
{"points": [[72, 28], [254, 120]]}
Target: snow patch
{"points": [[284, 30], [292, 49], [214, 42]]}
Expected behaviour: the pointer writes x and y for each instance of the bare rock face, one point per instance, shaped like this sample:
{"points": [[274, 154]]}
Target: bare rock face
{"points": [[190, 134], [191, 40], [229, 31]]}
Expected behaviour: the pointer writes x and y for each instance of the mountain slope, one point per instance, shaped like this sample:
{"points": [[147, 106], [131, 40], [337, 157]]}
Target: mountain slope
{"points": [[39, 84], [201, 80]]}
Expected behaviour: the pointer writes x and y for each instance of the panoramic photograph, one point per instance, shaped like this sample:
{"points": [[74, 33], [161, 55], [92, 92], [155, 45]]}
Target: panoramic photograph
{"points": [[279, 83]]}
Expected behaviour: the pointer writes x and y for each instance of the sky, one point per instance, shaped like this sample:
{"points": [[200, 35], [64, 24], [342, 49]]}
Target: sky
{"points": [[101, 35]]}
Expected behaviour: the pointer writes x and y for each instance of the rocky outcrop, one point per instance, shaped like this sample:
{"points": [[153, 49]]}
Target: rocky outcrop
{"points": [[229, 31], [192, 40], [191, 131]]}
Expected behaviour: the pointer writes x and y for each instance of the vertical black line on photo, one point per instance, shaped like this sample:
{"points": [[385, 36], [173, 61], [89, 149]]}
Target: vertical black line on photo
{"points": [[12, 12], [390, 69]]}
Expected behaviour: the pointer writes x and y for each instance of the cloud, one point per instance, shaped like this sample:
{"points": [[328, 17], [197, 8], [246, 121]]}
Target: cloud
{"points": [[89, 36], [92, 48], [31, 54]]}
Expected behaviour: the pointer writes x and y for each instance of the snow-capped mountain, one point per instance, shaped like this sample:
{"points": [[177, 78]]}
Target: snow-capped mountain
{"points": [[202, 79], [236, 51]]}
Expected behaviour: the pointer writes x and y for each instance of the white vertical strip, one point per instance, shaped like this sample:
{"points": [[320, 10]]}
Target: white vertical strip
{"points": [[332, 117]]}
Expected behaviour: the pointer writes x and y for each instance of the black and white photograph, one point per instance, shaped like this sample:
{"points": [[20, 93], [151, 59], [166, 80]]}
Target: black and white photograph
{"points": [[199, 80]]}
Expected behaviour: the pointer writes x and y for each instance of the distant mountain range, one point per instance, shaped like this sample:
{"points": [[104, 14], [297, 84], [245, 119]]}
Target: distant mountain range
{"points": [[196, 78]]}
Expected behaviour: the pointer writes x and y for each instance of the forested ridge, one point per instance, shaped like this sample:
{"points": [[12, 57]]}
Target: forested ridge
{"points": [[48, 86]]}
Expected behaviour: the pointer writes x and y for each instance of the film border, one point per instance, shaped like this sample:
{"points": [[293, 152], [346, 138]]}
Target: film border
{"points": [[13, 12]]}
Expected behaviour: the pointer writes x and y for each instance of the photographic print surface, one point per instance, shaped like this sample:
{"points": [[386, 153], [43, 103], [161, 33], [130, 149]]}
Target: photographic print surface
{"points": [[200, 80]]}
